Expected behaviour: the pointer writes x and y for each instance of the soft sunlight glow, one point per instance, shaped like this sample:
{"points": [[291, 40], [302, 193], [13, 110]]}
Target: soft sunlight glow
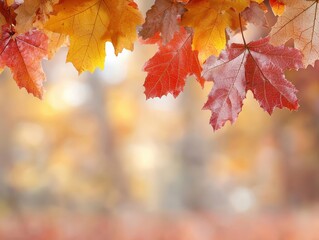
{"points": [[145, 156], [29, 133], [68, 94], [115, 67], [242, 199], [165, 103]]}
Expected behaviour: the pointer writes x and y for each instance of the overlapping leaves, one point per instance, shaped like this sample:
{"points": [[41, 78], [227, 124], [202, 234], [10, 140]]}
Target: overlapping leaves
{"points": [[192, 37], [87, 23]]}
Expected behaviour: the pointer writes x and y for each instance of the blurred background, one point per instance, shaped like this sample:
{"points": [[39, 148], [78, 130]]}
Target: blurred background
{"points": [[95, 160]]}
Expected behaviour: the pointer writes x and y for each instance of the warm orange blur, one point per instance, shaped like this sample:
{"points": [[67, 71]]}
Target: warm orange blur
{"points": [[95, 160]]}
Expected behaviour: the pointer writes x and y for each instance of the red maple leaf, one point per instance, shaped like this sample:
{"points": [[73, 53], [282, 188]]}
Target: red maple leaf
{"points": [[257, 66], [169, 67], [23, 54]]}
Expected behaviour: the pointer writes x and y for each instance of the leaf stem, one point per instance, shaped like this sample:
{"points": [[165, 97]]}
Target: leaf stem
{"points": [[241, 30]]}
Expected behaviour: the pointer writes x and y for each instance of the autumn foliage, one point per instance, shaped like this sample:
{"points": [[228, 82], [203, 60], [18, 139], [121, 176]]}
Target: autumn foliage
{"points": [[194, 37]]}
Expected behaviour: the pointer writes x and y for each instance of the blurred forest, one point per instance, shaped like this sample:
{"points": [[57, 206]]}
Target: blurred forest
{"points": [[95, 160]]}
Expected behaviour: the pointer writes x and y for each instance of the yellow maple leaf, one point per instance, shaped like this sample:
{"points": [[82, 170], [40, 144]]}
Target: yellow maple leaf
{"points": [[209, 19], [90, 23]]}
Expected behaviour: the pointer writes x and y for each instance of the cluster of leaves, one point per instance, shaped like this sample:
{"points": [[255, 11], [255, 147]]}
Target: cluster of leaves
{"points": [[193, 37]]}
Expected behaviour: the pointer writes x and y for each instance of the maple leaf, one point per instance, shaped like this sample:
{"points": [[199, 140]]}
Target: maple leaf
{"points": [[257, 66], [90, 23], [169, 67], [32, 12], [162, 17], [210, 19], [23, 54], [299, 21]]}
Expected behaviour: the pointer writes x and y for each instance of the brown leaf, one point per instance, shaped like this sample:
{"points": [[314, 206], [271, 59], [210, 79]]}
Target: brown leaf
{"points": [[162, 17]]}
